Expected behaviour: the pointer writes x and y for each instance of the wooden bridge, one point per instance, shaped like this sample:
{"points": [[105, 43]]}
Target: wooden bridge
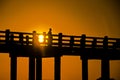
{"points": [[22, 44]]}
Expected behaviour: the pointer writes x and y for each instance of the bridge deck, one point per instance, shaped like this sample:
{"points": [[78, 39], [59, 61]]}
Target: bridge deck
{"points": [[27, 51]]}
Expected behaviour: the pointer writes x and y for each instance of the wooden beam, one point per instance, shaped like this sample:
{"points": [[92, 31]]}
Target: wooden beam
{"points": [[105, 69], [39, 68], [31, 68], [84, 68], [57, 68], [13, 68]]}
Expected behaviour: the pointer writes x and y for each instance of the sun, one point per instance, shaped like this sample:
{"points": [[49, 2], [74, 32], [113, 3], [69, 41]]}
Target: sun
{"points": [[41, 38]]}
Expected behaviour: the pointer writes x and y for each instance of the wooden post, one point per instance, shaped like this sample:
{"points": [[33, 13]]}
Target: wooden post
{"points": [[84, 59], [105, 73], [11, 39], [27, 40], [13, 56], [49, 38], [38, 68], [71, 41], [60, 41], [7, 36], [58, 60], [44, 34], [105, 43], [82, 41], [34, 39], [84, 68], [13, 68], [32, 60], [21, 38], [57, 67], [31, 68], [94, 43]]}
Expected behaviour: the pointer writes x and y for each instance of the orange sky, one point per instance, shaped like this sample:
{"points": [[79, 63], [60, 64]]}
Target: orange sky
{"points": [[76, 17]]}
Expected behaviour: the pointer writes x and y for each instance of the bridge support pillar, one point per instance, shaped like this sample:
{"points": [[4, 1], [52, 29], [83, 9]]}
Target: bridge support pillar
{"points": [[31, 68], [105, 73], [57, 73], [13, 68], [84, 68], [39, 68]]}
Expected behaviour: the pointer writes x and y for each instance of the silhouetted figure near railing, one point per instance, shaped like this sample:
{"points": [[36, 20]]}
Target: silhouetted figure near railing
{"points": [[50, 31], [50, 37]]}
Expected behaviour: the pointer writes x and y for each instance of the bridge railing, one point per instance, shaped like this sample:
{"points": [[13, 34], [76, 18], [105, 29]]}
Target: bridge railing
{"points": [[86, 42], [58, 40]]}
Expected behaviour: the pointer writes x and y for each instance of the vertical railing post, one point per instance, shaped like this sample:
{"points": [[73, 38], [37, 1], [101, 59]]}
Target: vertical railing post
{"points": [[71, 41], [27, 40], [34, 37], [44, 34], [35, 40], [116, 44], [13, 64], [84, 68], [13, 57], [39, 68], [105, 42], [94, 43], [21, 38], [60, 40], [82, 41], [49, 39], [12, 44], [38, 60], [32, 61], [105, 73], [11, 40], [58, 60], [7, 36], [31, 68], [84, 59]]}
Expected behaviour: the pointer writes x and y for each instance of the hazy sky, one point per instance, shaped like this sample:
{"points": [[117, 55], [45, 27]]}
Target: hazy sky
{"points": [[75, 17]]}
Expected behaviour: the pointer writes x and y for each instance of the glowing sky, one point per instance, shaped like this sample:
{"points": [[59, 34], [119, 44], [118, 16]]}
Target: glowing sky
{"points": [[76, 17]]}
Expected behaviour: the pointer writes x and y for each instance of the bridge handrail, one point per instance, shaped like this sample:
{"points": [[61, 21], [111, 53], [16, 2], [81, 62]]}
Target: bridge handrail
{"points": [[66, 40]]}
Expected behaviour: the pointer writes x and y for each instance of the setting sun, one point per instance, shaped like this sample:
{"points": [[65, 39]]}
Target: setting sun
{"points": [[41, 38]]}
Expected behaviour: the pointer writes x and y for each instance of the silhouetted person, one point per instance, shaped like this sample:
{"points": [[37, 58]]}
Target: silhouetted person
{"points": [[50, 31], [50, 37]]}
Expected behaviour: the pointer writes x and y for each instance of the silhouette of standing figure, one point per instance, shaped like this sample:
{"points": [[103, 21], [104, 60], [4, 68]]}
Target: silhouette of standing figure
{"points": [[50, 36], [50, 31]]}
